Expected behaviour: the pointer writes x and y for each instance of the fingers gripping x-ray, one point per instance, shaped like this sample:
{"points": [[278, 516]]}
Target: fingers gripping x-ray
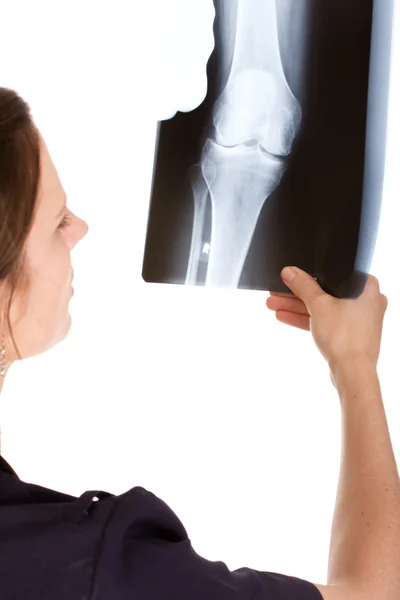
{"points": [[255, 121]]}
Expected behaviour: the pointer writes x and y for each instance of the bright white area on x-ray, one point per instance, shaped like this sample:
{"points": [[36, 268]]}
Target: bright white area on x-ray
{"points": [[185, 36], [200, 396]]}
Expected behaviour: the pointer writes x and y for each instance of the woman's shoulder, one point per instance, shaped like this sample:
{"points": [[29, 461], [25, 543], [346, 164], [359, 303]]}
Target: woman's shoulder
{"points": [[101, 545]]}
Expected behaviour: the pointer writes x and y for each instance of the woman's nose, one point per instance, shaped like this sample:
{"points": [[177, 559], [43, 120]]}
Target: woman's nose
{"points": [[85, 228], [81, 231]]}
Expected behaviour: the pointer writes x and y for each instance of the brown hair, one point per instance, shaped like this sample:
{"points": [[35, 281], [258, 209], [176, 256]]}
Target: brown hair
{"points": [[19, 181]]}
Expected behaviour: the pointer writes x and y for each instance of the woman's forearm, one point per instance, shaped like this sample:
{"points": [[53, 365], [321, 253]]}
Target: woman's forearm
{"points": [[365, 539]]}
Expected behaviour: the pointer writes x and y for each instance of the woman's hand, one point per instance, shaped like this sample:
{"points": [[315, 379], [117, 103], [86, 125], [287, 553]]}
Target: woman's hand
{"points": [[291, 311], [342, 329]]}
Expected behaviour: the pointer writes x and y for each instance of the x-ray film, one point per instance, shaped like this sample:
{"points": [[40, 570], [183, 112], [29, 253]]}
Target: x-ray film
{"points": [[283, 161]]}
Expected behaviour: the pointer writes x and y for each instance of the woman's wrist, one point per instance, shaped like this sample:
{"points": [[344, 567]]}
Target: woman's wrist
{"points": [[355, 376], [357, 365]]}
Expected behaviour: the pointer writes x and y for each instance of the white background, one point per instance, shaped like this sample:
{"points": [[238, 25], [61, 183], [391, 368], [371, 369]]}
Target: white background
{"points": [[201, 397]]}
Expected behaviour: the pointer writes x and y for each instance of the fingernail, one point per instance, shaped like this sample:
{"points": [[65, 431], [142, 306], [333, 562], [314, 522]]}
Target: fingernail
{"points": [[288, 274]]}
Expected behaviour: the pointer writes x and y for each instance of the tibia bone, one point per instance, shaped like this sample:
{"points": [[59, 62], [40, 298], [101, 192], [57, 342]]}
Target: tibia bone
{"points": [[239, 181], [257, 103], [200, 196]]}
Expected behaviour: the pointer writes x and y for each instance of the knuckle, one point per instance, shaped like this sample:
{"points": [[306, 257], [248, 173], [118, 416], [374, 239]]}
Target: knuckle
{"points": [[306, 282]]}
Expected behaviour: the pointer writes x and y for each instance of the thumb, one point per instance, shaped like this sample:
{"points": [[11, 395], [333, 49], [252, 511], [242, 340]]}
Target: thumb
{"points": [[303, 285]]}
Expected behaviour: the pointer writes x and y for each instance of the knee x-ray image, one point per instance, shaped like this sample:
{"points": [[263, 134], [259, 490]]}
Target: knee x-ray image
{"points": [[283, 161]]}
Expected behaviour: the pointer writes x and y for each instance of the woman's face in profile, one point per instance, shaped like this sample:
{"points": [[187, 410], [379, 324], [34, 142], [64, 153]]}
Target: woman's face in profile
{"points": [[43, 319]]}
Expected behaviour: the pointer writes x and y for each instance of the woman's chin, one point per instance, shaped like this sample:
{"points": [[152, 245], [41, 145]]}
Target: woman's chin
{"points": [[67, 326]]}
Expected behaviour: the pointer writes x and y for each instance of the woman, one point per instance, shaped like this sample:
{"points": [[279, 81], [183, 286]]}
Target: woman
{"points": [[101, 546]]}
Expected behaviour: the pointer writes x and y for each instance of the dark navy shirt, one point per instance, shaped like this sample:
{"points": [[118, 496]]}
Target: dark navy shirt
{"points": [[105, 547]]}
